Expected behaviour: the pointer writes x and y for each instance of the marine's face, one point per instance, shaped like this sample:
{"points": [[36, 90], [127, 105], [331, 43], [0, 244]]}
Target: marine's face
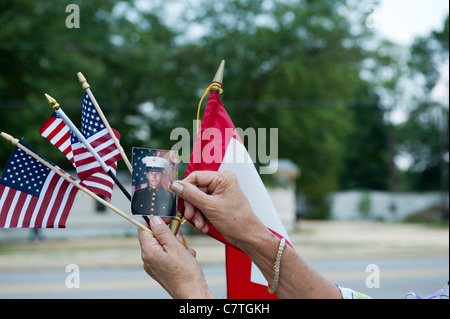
{"points": [[154, 179]]}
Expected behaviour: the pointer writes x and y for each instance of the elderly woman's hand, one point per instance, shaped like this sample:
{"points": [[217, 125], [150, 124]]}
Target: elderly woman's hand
{"points": [[218, 197], [172, 264]]}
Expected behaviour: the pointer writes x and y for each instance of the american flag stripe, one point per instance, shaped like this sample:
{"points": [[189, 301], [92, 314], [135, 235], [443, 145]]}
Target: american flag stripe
{"points": [[19, 198], [24, 218], [11, 203], [99, 180], [89, 165], [51, 127], [54, 218], [56, 200], [57, 132], [83, 156], [44, 201], [100, 183], [62, 141], [90, 168], [63, 213], [50, 210], [28, 203], [54, 206], [5, 200], [103, 144]]}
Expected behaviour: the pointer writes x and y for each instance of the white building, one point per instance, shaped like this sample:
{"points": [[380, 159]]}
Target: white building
{"points": [[388, 206]]}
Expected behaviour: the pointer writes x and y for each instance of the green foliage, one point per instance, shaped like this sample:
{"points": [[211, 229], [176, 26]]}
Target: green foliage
{"points": [[366, 155], [424, 136]]}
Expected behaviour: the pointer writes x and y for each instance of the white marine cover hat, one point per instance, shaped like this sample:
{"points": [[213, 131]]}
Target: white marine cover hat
{"points": [[155, 164]]}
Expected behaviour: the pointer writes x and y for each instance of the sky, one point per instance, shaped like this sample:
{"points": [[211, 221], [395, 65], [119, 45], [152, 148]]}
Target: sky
{"points": [[402, 20]]}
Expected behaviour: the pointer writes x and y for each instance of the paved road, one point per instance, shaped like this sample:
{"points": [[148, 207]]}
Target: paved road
{"points": [[396, 278]]}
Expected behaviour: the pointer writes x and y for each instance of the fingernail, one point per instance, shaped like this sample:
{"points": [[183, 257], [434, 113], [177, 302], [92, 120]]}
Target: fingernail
{"points": [[177, 187], [179, 237], [156, 220]]}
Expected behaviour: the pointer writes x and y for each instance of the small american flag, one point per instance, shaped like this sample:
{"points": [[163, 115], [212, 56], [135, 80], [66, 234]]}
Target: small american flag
{"points": [[93, 129], [32, 195], [96, 133], [58, 133]]}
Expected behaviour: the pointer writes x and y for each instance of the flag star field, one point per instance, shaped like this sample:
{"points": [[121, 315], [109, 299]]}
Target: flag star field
{"points": [[25, 173], [91, 121]]}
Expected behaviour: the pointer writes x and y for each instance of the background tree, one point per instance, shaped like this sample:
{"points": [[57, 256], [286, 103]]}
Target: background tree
{"points": [[366, 159], [425, 134]]}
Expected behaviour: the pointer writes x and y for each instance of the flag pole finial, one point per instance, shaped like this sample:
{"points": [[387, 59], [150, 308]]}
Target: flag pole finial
{"points": [[84, 84], [9, 138], [218, 78], [52, 102]]}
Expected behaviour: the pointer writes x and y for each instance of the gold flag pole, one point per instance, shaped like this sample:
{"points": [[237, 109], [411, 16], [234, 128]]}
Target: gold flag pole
{"points": [[85, 85], [15, 142], [216, 86]]}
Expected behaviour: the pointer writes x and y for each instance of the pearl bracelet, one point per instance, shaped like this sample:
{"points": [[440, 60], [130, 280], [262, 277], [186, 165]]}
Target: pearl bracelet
{"points": [[276, 266]]}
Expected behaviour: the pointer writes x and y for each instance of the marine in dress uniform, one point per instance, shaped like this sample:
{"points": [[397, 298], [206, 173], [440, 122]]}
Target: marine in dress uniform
{"points": [[154, 199]]}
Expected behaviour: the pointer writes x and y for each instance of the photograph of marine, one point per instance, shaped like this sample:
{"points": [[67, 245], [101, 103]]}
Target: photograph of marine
{"points": [[154, 199]]}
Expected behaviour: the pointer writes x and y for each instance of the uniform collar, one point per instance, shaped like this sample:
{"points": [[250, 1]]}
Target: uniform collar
{"points": [[154, 190]]}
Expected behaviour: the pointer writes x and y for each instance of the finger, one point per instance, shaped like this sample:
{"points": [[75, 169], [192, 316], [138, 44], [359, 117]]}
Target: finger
{"points": [[189, 210], [192, 251], [190, 193], [200, 178], [201, 223], [179, 237], [204, 189], [162, 233], [198, 220], [194, 215], [145, 237], [208, 181], [149, 244], [205, 228]]}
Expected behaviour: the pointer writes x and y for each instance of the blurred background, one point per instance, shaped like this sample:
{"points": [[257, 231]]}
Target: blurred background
{"points": [[359, 92]]}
